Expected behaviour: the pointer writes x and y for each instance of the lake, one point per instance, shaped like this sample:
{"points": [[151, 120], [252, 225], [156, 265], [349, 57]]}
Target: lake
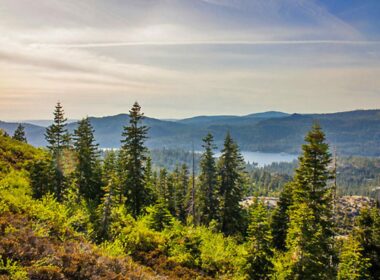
{"points": [[266, 158]]}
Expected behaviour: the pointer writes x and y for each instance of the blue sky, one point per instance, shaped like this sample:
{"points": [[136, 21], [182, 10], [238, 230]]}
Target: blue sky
{"points": [[181, 58]]}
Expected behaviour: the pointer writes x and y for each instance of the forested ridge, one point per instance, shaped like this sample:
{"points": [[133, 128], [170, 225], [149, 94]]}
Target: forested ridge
{"points": [[66, 212], [353, 133]]}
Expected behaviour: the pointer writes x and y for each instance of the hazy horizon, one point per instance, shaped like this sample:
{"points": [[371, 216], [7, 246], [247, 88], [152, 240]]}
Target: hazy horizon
{"points": [[184, 58], [70, 120]]}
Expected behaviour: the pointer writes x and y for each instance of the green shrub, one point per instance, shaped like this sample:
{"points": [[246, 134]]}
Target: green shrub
{"points": [[138, 237], [158, 216], [114, 248], [182, 245], [13, 270]]}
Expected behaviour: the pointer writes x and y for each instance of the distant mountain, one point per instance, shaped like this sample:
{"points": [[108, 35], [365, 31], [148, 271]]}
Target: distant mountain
{"points": [[108, 129], [207, 119], [34, 133], [352, 133], [268, 115], [228, 119], [44, 123]]}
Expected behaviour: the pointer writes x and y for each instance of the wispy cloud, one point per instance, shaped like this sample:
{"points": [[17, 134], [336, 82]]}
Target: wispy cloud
{"points": [[179, 56], [229, 42]]}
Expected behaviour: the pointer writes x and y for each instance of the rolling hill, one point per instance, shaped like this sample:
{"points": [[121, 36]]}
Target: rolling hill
{"points": [[353, 133]]}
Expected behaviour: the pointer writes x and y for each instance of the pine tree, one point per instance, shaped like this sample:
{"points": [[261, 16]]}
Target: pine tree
{"points": [[166, 190], [150, 182], [88, 173], [104, 210], [58, 140], [134, 160], [171, 193], [162, 185], [352, 263], [181, 192], [110, 163], [230, 173], [312, 177], [57, 134], [310, 236], [260, 252], [280, 218], [41, 175], [111, 172], [208, 192], [19, 134], [159, 215], [367, 232]]}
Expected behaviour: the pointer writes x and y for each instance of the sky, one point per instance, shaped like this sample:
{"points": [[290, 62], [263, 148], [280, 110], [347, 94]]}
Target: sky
{"points": [[180, 58]]}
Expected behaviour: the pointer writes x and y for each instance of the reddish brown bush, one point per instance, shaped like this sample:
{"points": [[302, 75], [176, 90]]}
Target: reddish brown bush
{"points": [[50, 258]]}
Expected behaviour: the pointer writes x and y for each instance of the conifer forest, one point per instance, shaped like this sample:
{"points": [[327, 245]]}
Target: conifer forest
{"points": [[70, 211]]}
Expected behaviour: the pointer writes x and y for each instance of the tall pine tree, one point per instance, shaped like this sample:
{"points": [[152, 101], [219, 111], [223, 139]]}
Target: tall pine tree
{"points": [[88, 171], [230, 173], [310, 234], [134, 161], [58, 140], [208, 192], [19, 134]]}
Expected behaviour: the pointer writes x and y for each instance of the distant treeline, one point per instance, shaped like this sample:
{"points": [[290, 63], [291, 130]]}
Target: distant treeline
{"points": [[355, 175]]}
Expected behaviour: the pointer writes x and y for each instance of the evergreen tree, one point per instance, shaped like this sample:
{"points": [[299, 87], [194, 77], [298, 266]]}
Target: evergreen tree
{"points": [[352, 263], [57, 134], [280, 218], [58, 140], [171, 193], [134, 160], [181, 192], [150, 182], [260, 253], [41, 175], [303, 242], [310, 236], [166, 190], [110, 163], [88, 173], [19, 134], [367, 232], [109, 201], [113, 197], [162, 185], [159, 216], [111, 173], [207, 195], [230, 173]]}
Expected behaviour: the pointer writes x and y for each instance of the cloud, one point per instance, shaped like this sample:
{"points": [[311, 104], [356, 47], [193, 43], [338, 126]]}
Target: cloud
{"points": [[181, 57], [229, 42]]}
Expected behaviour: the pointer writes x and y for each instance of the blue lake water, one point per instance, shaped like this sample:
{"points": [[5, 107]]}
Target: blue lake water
{"points": [[266, 158]]}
